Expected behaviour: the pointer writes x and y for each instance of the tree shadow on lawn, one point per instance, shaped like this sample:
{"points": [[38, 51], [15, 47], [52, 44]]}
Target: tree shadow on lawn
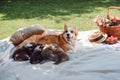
{"points": [[28, 9]]}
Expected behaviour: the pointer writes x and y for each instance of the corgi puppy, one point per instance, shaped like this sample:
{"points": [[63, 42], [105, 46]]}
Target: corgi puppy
{"points": [[60, 55], [36, 56], [30, 48], [54, 53], [24, 53], [42, 53], [65, 40], [48, 53]]}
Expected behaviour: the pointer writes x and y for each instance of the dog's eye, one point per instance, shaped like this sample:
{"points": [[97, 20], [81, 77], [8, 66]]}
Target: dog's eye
{"points": [[71, 31], [66, 31]]}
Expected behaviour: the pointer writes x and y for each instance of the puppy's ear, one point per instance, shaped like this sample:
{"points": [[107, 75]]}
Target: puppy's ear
{"points": [[65, 26]]}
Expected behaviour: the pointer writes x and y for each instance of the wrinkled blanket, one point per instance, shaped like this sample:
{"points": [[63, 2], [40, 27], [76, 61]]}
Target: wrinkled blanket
{"points": [[91, 62]]}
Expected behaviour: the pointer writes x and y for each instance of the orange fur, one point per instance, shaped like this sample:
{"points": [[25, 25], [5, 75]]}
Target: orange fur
{"points": [[49, 39]]}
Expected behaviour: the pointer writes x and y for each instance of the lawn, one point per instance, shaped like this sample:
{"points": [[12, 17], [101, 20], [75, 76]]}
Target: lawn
{"points": [[52, 14]]}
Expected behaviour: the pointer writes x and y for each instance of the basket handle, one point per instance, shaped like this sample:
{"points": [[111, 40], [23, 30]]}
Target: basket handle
{"points": [[108, 12]]}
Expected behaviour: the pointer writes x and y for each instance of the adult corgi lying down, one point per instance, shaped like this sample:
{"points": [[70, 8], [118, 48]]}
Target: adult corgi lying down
{"points": [[65, 40]]}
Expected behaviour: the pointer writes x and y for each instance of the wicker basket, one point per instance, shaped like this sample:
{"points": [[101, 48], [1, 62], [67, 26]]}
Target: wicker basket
{"points": [[111, 30]]}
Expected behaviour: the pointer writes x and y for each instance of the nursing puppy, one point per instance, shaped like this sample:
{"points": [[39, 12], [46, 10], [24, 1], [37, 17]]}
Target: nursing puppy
{"points": [[24, 53], [36, 56], [54, 53], [48, 53], [42, 53], [65, 40], [60, 55]]}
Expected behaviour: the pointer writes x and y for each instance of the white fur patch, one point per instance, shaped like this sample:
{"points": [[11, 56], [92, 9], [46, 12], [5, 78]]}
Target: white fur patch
{"points": [[28, 45], [69, 31], [38, 48]]}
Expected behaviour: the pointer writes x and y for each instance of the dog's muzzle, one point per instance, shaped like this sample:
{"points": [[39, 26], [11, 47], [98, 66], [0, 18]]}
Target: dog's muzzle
{"points": [[68, 37]]}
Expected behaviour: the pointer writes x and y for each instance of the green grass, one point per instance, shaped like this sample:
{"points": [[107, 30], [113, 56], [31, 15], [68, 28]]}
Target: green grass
{"points": [[52, 14]]}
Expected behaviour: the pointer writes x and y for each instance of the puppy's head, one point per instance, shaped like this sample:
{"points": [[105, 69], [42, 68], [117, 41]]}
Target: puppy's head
{"points": [[48, 52], [36, 56], [30, 46], [60, 56], [20, 55], [70, 33], [39, 48]]}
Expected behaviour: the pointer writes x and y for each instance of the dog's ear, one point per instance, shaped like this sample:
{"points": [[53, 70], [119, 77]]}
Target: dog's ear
{"points": [[76, 30], [65, 26]]}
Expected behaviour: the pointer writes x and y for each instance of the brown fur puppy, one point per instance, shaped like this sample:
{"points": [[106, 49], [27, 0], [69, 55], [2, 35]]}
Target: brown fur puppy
{"points": [[54, 53], [24, 53], [48, 53], [60, 55], [36, 56]]}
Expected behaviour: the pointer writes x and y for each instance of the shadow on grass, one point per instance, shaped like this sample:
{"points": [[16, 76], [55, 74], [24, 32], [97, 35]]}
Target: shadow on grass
{"points": [[27, 9]]}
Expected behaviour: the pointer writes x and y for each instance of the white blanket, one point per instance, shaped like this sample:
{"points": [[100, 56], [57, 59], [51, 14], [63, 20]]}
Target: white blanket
{"points": [[91, 62]]}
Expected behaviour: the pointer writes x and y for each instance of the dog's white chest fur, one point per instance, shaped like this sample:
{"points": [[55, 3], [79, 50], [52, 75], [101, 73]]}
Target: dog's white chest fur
{"points": [[71, 47]]}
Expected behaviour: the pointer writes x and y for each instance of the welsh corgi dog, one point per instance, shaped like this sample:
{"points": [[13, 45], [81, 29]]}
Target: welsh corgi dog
{"points": [[65, 40]]}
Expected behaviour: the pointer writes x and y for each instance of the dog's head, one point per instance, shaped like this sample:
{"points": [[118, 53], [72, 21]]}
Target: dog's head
{"points": [[30, 46], [69, 33], [36, 56], [39, 47], [48, 52], [20, 55]]}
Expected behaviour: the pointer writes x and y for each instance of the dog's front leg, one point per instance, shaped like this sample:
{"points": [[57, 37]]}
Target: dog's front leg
{"points": [[71, 49]]}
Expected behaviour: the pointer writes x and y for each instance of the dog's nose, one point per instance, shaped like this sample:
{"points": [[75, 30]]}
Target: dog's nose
{"points": [[68, 34]]}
